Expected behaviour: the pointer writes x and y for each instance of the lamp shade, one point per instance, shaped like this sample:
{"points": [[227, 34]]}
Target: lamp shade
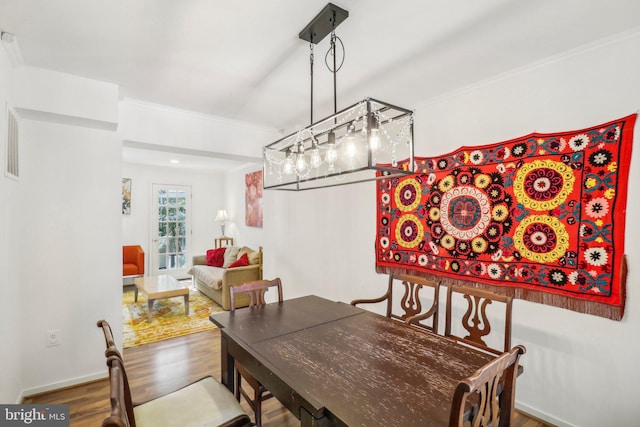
{"points": [[222, 216]]}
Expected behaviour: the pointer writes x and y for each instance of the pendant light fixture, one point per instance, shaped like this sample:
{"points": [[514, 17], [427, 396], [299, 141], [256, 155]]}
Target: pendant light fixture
{"points": [[367, 141]]}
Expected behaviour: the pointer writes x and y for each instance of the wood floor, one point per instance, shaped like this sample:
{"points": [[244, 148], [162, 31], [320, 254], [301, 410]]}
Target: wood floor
{"points": [[155, 369]]}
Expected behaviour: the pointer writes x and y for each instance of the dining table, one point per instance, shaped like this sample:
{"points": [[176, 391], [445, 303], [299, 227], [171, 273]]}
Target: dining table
{"points": [[332, 364]]}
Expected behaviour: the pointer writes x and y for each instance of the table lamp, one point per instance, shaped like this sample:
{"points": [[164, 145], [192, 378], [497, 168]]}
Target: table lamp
{"points": [[222, 217]]}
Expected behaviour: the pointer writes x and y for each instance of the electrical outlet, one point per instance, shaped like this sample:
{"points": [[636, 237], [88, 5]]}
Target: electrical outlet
{"points": [[53, 337]]}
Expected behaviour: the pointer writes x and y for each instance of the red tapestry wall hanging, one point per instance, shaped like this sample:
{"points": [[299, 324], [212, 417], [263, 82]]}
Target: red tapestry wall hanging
{"points": [[541, 218]]}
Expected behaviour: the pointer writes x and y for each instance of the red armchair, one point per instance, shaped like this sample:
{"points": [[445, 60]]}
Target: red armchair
{"points": [[132, 261]]}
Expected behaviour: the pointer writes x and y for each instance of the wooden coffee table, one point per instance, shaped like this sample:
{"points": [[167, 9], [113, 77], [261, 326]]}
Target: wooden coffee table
{"points": [[163, 286]]}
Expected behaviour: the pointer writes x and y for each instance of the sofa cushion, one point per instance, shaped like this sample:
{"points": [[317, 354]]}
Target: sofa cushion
{"points": [[129, 269], [215, 257], [242, 261], [230, 255], [210, 276]]}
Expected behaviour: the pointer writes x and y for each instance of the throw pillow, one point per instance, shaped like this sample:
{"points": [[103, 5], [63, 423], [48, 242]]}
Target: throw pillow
{"points": [[244, 249], [243, 261], [230, 255], [215, 257], [254, 256]]}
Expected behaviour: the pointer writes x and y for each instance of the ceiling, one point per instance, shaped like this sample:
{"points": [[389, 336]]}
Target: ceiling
{"points": [[243, 60]]}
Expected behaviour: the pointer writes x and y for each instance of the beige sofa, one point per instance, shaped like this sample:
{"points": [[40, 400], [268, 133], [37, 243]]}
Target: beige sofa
{"points": [[214, 282]]}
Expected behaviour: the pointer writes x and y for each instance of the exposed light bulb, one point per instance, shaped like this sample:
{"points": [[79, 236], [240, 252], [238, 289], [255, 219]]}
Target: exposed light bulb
{"points": [[287, 168], [374, 139], [350, 147], [332, 154], [301, 162], [374, 134], [315, 158]]}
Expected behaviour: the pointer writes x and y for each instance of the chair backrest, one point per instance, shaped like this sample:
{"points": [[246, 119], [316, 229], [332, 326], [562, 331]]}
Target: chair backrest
{"points": [[256, 290], [494, 386], [475, 320], [410, 302], [120, 397], [108, 338]]}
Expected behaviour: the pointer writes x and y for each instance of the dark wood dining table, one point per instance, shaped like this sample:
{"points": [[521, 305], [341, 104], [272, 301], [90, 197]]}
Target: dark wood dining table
{"points": [[330, 363]]}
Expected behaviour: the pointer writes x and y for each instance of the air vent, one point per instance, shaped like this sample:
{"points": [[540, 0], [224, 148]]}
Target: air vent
{"points": [[12, 167]]}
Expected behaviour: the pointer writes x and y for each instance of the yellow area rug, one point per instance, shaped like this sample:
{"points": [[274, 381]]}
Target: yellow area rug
{"points": [[167, 317]]}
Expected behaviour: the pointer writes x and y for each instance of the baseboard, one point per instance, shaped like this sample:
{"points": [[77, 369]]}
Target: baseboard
{"points": [[62, 384], [541, 416]]}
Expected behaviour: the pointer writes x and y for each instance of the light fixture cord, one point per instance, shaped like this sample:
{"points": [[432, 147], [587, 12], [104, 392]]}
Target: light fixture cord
{"points": [[335, 68], [311, 66], [335, 71], [331, 50]]}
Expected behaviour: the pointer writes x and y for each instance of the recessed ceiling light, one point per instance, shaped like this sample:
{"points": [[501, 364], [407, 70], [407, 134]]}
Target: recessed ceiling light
{"points": [[174, 161]]}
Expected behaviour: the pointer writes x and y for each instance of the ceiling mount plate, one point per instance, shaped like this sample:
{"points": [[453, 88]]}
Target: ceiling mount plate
{"points": [[324, 22]]}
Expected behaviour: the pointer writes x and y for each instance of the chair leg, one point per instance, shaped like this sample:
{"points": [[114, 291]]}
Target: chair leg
{"points": [[238, 383], [257, 398]]}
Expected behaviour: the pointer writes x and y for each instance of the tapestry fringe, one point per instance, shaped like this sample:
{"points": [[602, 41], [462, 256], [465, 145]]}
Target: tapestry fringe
{"points": [[542, 297]]}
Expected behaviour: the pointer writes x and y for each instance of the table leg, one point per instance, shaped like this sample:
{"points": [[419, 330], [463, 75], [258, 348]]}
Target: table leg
{"points": [[227, 364], [186, 305], [149, 305], [135, 298], [308, 420]]}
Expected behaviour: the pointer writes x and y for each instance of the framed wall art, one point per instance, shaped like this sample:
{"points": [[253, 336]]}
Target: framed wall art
{"points": [[126, 196], [253, 199]]}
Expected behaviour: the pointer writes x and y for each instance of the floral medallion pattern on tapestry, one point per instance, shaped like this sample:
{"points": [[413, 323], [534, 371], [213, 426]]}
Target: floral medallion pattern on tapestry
{"points": [[541, 213]]}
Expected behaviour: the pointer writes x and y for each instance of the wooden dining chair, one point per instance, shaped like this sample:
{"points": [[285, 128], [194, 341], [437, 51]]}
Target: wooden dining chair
{"points": [[204, 402], [410, 302], [494, 387], [112, 349], [475, 320], [255, 290]]}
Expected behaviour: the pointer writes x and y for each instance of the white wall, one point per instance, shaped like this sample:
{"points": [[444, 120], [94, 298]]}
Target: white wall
{"points": [[323, 241], [147, 123], [10, 332], [70, 260], [61, 258], [61, 94], [579, 370]]}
